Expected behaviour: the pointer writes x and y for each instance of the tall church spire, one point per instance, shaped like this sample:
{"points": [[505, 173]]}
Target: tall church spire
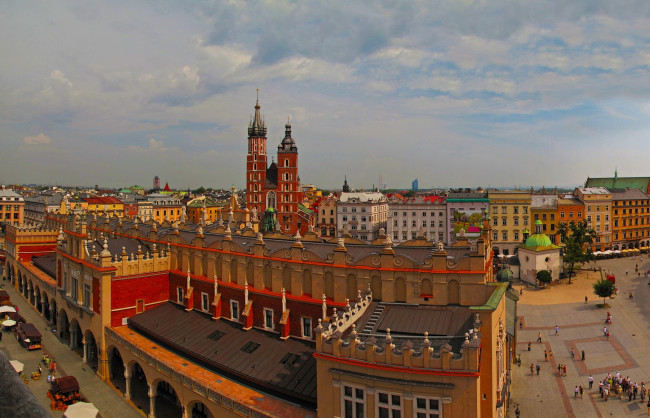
{"points": [[257, 127]]}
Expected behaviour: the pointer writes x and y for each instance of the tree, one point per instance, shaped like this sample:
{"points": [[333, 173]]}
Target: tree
{"points": [[577, 238], [604, 288], [544, 276]]}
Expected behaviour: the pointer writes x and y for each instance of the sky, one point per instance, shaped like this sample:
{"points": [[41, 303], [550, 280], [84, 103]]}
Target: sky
{"points": [[458, 93]]}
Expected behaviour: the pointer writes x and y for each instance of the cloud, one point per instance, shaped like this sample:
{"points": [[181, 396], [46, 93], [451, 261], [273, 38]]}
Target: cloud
{"points": [[36, 140]]}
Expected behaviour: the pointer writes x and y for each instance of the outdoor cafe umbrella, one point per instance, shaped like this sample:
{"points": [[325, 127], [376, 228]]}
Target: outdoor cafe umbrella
{"points": [[5, 308], [81, 410], [9, 323], [18, 366]]}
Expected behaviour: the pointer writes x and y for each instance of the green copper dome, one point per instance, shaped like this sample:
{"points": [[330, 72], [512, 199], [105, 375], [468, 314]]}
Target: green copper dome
{"points": [[538, 240]]}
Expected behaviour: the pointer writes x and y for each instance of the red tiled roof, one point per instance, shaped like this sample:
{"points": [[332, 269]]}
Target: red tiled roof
{"points": [[103, 200]]}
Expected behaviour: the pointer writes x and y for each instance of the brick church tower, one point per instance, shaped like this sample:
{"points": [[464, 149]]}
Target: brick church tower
{"points": [[275, 186]]}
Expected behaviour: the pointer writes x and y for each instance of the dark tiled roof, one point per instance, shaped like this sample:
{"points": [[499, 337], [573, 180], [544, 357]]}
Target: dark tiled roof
{"points": [[219, 345], [115, 246], [46, 263]]}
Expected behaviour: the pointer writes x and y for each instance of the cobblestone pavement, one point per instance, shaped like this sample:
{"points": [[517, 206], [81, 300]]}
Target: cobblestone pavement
{"points": [[581, 328], [109, 402]]}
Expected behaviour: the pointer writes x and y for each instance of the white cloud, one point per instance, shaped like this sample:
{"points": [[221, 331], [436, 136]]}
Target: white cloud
{"points": [[59, 76], [36, 140]]}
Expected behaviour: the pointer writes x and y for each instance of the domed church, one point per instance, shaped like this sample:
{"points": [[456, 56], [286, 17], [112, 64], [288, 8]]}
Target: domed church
{"points": [[538, 253]]}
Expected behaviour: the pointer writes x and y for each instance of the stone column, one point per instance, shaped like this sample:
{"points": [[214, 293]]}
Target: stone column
{"points": [[187, 413], [152, 402], [73, 334], [51, 320], [42, 307], [85, 349], [127, 378]]}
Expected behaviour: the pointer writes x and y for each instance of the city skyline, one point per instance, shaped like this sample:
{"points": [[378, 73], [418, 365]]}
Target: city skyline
{"points": [[461, 94]]}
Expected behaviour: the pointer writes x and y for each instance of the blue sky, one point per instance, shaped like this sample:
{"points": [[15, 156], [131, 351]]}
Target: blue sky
{"points": [[456, 93]]}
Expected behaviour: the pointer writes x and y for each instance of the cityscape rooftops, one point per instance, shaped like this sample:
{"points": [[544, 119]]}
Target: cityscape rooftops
{"points": [[363, 197]]}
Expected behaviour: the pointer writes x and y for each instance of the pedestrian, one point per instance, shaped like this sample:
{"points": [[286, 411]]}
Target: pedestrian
{"points": [[40, 371], [583, 355], [550, 354], [532, 369], [564, 369], [575, 393], [573, 353], [591, 381], [629, 394], [585, 299], [528, 345], [538, 367], [539, 337], [545, 356], [49, 378], [607, 335], [559, 369], [635, 391], [648, 405], [556, 329], [521, 324], [581, 391]]}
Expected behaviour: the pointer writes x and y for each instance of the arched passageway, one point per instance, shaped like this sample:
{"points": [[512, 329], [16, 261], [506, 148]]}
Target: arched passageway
{"points": [[47, 314], [139, 388], [116, 370], [63, 330], [199, 410], [76, 344], [37, 300], [167, 403], [90, 350], [53, 312]]}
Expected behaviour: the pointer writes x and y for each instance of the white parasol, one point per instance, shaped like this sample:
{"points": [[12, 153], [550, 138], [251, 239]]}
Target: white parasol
{"points": [[81, 410], [9, 323], [18, 366], [6, 308]]}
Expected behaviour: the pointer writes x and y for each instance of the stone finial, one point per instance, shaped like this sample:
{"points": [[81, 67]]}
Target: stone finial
{"points": [[284, 301], [341, 242], [324, 307], [388, 337], [297, 237], [105, 252], [426, 338], [188, 278], [347, 304], [466, 338], [440, 246], [246, 293], [260, 238], [388, 243], [310, 228], [473, 245], [216, 285]]}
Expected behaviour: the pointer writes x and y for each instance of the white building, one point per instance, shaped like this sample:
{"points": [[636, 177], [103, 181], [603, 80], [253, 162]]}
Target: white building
{"points": [[538, 253], [424, 216], [361, 214]]}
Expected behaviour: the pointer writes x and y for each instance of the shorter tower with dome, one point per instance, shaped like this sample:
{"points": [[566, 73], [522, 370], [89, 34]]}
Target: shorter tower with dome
{"points": [[538, 253]]}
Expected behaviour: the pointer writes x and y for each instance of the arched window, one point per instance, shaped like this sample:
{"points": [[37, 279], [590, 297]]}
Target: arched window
{"points": [[270, 200], [254, 166], [286, 176], [286, 162]]}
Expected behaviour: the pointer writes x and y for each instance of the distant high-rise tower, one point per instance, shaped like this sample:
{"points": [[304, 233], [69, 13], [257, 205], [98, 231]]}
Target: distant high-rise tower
{"points": [[414, 185], [156, 182]]}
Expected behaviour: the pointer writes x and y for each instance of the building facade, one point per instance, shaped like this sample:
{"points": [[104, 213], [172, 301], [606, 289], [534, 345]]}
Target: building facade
{"points": [[12, 207], [510, 219], [362, 215], [422, 216], [544, 208], [326, 216], [598, 202], [630, 219]]}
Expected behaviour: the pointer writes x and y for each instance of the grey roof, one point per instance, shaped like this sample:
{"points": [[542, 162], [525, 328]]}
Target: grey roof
{"points": [[218, 345], [629, 194], [46, 263]]}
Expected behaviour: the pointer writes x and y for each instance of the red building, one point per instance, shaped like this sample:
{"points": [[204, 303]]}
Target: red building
{"points": [[277, 185]]}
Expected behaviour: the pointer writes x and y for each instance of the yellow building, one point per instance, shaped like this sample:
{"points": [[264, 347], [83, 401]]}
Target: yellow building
{"points": [[105, 204], [598, 202], [630, 219], [544, 208], [12, 207], [510, 216]]}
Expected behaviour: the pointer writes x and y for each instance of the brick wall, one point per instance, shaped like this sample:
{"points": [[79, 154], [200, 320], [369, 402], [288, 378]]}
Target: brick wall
{"points": [[153, 288]]}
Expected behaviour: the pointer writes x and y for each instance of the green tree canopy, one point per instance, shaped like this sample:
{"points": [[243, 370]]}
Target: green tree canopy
{"points": [[577, 238], [604, 288], [544, 276]]}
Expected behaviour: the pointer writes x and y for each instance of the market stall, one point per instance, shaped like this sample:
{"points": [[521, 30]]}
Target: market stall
{"points": [[63, 391], [28, 336]]}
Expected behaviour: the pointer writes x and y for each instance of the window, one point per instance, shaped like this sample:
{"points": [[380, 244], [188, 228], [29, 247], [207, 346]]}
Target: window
{"points": [[504, 235], [516, 236], [440, 224], [424, 223], [205, 301], [427, 408], [86, 295], [495, 222], [394, 213], [606, 217], [579, 214], [516, 221], [495, 210], [597, 218], [394, 222], [432, 223], [440, 236], [413, 214], [234, 310], [495, 236], [404, 222], [354, 402], [543, 216], [413, 223], [552, 216], [504, 221], [424, 214], [561, 214], [525, 209], [515, 210], [504, 210], [179, 294], [268, 318], [403, 235], [306, 327], [389, 405]]}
